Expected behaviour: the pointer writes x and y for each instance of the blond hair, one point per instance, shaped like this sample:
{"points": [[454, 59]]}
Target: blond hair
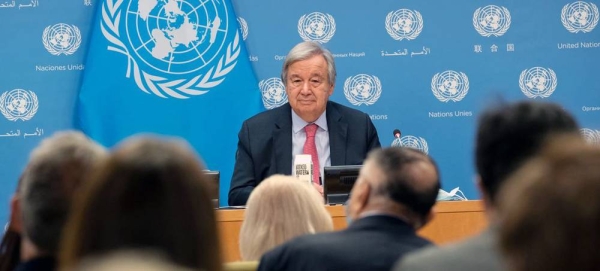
{"points": [[279, 209]]}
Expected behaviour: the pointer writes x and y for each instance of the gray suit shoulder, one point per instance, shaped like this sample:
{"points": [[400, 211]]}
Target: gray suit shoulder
{"points": [[477, 253]]}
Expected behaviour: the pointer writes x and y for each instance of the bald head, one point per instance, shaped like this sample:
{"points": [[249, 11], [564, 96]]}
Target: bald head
{"points": [[403, 178]]}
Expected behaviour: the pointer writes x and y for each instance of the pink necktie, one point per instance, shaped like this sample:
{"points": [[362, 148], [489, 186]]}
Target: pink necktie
{"points": [[311, 148]]}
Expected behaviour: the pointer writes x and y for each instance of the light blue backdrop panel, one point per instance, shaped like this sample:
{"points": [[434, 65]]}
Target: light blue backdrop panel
{"points": [[427, 68], [40, 72]]}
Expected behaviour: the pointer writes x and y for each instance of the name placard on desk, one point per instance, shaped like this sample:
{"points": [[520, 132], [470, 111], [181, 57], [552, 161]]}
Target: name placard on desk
{"points": [[303, 167]]}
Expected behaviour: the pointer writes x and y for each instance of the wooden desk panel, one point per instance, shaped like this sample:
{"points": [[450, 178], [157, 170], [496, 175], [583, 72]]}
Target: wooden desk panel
{"points": [[452, 221], [455, 220]]}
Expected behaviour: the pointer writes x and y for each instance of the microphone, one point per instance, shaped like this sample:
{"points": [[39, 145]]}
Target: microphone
{"points": [[397, 141]]}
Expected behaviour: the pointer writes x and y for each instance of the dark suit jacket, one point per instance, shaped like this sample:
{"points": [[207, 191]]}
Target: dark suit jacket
{"points": [[265, 145], [45, 263], [372, 243]]}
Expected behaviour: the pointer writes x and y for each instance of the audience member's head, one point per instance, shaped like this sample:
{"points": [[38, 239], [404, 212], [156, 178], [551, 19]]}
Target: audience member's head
{"points": [[398, 181], [551, 210], [279, 209], [56, 170], [510, 134], [149, 194]]}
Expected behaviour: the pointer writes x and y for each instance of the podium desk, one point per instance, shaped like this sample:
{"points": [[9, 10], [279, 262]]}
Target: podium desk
{"points": [[453, 221]]}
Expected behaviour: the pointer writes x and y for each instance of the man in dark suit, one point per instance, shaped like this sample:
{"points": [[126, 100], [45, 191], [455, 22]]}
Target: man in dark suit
{"points": [[269, 141], [391, 199]]}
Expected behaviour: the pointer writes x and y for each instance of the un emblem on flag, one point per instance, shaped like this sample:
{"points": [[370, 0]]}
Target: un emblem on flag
{"points": [[61, 39], [491, 20], [243, 27], [175, 48], [316, 26], [591, 136], [273, 92], [18, 104], [579, 17], [362, 89], [404, 24], [450, 86], [537, 82], [414, 142]]}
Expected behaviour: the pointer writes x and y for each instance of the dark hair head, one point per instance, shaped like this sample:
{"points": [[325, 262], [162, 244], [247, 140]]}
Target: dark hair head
{"points": [[150, 194], [404, 185], [510, 134]]}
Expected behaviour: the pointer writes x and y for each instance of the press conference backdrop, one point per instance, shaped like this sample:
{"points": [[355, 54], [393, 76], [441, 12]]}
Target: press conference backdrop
{"points": [[196, 69]]}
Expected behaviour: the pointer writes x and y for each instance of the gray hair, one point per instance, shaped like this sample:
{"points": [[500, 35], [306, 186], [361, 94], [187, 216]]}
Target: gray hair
{"points": [[55, 170], [306, 50]]}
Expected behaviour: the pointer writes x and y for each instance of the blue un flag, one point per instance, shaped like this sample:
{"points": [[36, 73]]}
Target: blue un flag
{"points": [[170, 67]]}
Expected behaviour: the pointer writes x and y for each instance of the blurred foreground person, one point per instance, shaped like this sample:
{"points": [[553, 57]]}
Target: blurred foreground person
{"points": [[150, 194], [56, 172], [507, 136], [279, 209], [551, 211]]}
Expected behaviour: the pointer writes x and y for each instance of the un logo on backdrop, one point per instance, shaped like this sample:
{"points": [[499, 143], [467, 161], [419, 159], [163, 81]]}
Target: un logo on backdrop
{"points": [[397, 142], [414, 142], [18, 104], [579, 17], [61, 39], [316, 26], [273, 92], [404, 24], [362, 89], [176, 48], [491, 20], [450, 86], [243, 27], [537, 82], [591, 136]]}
